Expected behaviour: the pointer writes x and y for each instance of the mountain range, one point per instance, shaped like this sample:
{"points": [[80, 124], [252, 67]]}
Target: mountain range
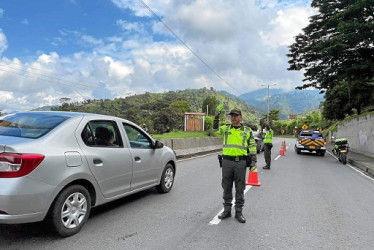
{"points": [[292, 102]]}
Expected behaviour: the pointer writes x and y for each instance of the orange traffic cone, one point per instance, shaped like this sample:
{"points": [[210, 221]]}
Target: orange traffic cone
{"points": [[253, 178], [282, 151], [284, 146]]}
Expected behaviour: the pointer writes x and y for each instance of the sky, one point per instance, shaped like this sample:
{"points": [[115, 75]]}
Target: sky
{"points": [[106, 49]]}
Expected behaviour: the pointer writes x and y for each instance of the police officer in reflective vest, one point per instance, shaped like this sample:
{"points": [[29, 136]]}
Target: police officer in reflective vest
{"points": [[238, 141], [268, 144]]}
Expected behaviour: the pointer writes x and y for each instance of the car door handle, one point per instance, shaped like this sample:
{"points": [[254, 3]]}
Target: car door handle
{"points": [[98, 162], [137, 158]]}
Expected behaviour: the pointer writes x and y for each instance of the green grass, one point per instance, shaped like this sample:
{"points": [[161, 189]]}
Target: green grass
{"points": [[181, 134], [187, 134], [285, 136]]}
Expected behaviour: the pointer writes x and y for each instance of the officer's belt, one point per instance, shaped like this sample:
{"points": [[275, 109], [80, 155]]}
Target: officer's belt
{"points": [[235, 158]]}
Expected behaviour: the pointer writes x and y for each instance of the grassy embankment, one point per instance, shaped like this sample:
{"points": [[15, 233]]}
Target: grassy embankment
{"points": [[181, 134], [187, 134]]}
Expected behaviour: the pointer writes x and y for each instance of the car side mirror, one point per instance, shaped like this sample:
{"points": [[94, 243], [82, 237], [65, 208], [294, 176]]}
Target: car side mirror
{"points": [[157, 144]]}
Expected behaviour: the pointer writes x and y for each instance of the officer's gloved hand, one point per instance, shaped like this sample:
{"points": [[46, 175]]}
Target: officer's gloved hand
{"points": [[219, 108], [253, 166]]}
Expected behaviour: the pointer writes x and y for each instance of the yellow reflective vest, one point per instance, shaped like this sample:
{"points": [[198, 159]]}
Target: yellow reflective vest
{"points": [[269, 136], [237, 141]]}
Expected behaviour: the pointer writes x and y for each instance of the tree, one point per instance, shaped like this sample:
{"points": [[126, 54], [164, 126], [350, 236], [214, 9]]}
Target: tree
{"points": [[165, 121], [337, 46], [273, 116], [210, 102], [180, 106], [337, 102]]}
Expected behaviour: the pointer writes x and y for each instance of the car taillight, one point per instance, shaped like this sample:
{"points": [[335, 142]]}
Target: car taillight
{"points": [[17, 165]]}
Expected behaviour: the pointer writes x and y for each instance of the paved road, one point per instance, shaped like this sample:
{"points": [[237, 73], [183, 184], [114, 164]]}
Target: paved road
{"points": [[304, 202]]}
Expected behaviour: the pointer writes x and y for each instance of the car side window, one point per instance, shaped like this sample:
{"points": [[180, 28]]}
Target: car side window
{"points": [[101, 134], [88, 136], [137, 137]]}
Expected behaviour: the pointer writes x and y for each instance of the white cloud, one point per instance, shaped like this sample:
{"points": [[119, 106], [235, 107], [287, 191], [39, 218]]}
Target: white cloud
{"points": [[5, 96], [139, 9], [90, 40], [25, 21], [245, 42], [286, 26], [129, 26], [3, 42]]}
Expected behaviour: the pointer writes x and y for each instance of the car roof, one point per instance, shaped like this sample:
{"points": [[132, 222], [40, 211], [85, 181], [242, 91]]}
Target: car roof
{"points": [[73, 114]]}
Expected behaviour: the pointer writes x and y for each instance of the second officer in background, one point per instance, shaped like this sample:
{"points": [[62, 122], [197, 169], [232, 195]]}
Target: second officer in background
{"points": [[238, 141], [268, 145]]}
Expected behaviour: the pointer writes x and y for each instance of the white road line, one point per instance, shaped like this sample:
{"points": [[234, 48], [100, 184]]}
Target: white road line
{"points": [[276, 158], [352, 167], [215, 220]]}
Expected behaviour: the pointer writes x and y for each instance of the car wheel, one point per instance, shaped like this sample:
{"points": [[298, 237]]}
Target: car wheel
{"points": [[167, 179], [70, 210], [298, 151]]}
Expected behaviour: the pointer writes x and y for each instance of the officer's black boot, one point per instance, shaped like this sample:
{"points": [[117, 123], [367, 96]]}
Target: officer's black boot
{"points": [[225, 214], [239, 216]]}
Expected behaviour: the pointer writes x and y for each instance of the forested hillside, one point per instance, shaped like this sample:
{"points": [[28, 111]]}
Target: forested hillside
{"points": [[164, 112], [293, 102]]}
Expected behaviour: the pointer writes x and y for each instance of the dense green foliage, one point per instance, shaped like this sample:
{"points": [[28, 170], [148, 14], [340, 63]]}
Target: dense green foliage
{"points": [[312, 119], [164, 112], [336, 51]]}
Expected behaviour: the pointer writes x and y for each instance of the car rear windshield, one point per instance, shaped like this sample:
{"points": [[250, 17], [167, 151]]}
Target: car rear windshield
{"points": [[306, 134], [29, 125]]}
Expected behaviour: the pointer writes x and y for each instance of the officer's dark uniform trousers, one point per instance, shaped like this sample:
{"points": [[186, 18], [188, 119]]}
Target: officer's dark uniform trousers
{"points": [[233, 171], [267, 153]]}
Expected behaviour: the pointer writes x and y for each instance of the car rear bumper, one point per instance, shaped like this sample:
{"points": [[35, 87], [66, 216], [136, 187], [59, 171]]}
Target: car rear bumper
{"points": [[23, 200], [302, 147], [21, 218]]}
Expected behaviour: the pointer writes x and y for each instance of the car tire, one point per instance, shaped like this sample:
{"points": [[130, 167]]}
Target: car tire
{"points": [[167, 179], [70, 210], [298, 151]]}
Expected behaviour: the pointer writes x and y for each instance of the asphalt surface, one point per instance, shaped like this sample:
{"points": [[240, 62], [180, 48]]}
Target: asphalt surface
{"points": [[363, 162], [360, 161], [304, 202]]}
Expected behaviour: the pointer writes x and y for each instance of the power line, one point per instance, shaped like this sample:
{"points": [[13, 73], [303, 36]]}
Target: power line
{"points": [[39, 77], [188, 47], [25, 72]]}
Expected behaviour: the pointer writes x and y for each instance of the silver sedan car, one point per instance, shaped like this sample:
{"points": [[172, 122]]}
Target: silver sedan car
{"points": [[56, 166]]}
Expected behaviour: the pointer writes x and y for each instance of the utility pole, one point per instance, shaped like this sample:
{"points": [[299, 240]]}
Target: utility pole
{"points": [[269, 85]]}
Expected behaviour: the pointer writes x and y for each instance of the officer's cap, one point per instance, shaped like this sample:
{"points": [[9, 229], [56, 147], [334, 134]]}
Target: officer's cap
{"points": [[235, 112]]}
